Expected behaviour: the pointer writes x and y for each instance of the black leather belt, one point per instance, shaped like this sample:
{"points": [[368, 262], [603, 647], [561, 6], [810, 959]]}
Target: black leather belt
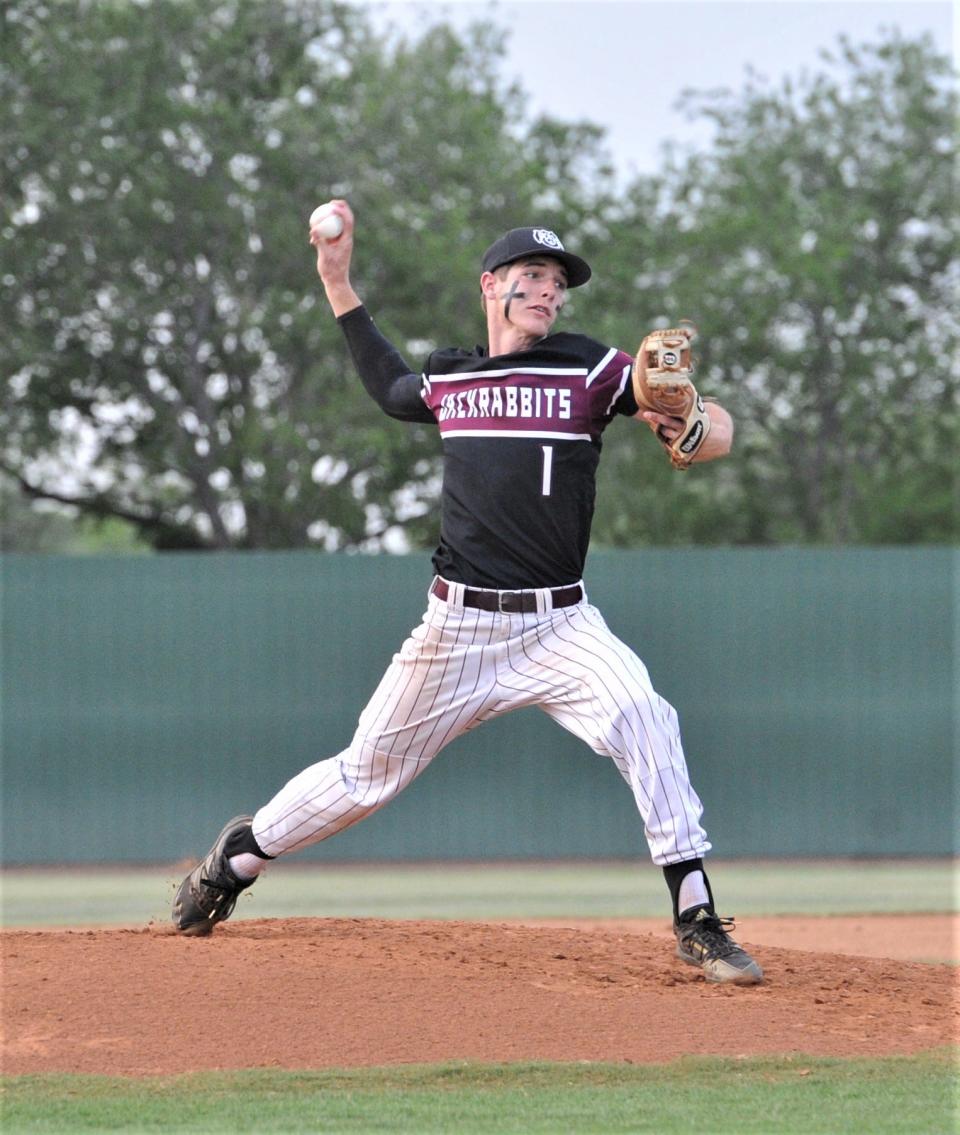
{"points": [[509, 602]]}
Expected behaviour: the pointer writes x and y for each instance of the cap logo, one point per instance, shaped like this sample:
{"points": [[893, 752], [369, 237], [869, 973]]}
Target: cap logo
{"points": [[547, 238]]}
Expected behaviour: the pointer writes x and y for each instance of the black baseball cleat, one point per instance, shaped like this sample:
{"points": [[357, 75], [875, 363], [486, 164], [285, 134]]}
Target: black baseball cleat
{"points": [[209, 893], [702, 940]]}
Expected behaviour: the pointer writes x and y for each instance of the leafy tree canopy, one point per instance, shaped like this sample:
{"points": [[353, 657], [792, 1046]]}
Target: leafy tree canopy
{"points": [[816, 246], [168, 355], [169, 360]]}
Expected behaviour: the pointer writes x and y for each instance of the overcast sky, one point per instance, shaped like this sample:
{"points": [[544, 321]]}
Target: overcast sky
{"points": [[622, 63]]}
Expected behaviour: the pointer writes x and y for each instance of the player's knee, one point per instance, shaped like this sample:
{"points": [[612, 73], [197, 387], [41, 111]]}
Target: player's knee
{"points": [[372, 776]]}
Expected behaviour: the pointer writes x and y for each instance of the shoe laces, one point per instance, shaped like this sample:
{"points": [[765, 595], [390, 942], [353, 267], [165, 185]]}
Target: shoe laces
{"points": [[225, 890], [710, 933], [216, 885]]}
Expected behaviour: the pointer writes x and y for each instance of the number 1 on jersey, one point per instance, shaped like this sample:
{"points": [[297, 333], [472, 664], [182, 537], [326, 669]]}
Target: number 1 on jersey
{"points": [[547, 469]]}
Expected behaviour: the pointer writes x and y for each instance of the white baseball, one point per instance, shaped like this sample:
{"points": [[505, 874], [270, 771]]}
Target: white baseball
{"points": [[328, 225]]}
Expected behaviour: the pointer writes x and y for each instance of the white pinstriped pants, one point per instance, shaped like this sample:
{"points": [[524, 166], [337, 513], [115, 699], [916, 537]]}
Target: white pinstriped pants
{"points": [[462, 667]]}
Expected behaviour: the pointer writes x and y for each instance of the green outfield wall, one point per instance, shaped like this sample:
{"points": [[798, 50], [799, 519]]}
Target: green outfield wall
{"points": [[145, 700]]}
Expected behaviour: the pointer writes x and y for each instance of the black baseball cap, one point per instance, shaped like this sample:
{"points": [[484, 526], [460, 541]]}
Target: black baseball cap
{"points": [[518, 243]]}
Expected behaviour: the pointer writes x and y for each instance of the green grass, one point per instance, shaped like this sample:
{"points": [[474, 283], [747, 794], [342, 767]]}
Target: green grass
{"points": [[799, 1095], [125, 896]]}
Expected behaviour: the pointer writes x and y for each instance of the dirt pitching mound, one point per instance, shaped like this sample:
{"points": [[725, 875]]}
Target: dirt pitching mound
{"points": [[311, 993]]}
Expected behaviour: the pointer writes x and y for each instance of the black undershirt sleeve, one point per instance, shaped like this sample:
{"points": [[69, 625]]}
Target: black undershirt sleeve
{"points": [[383, 371]]}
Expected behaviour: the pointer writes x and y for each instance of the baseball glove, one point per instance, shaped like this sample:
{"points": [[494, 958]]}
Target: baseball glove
{"points": [[662, 383]]}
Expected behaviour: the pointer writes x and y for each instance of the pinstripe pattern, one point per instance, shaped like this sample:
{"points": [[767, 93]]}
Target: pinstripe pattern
{"points": [[461, 667]]}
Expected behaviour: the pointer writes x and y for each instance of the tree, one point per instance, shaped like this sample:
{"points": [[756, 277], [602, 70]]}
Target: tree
{"points": [[168, 357], [817, 246], [169, 360], [43, 527]]}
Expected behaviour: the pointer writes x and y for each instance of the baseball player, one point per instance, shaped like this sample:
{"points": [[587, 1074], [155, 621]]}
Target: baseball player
{"points": [[508, 622]]}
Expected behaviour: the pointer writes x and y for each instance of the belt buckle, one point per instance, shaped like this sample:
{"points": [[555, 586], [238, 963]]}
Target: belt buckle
{"points": [[505, 597]]}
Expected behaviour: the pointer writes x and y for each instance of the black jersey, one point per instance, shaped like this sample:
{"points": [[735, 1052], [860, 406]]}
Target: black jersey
{"points": [[521, 443]]}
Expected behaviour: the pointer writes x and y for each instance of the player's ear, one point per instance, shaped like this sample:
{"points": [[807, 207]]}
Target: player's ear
{"points": [[488, 286]]}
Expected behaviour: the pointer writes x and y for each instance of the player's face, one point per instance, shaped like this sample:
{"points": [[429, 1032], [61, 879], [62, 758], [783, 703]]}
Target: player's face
{"points": [[533, 293]]}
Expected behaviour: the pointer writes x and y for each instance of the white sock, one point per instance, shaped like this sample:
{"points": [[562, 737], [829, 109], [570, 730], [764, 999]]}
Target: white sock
{"points": [[693, 891], [246, 865]]}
